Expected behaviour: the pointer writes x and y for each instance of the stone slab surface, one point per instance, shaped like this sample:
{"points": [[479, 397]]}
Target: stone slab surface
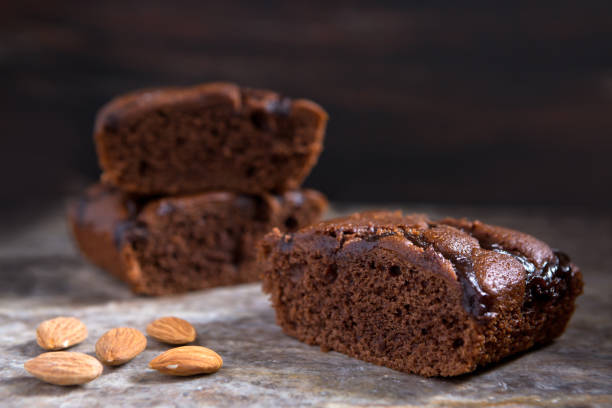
{"points": [[41, 276]]}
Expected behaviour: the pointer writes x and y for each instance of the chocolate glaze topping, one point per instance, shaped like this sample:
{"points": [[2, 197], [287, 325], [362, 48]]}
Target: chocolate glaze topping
{"points": [[475, 300], [543, 284]]}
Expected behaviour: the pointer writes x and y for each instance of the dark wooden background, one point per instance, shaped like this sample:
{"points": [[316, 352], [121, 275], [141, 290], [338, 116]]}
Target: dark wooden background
{"points": [[452, 102]]}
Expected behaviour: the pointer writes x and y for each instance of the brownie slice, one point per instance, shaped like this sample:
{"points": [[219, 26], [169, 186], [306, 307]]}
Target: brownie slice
{"points": [[175, 244], [215, 136], [436, 298]]}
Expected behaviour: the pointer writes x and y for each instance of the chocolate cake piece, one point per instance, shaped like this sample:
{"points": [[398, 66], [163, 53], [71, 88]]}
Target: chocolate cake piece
{"points": [[436, 298], [176, 244], [214, 136]]}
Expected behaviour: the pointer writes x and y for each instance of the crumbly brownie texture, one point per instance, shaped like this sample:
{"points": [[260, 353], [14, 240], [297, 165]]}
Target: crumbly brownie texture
{"points": [[215, 136], [434, 298], [176, 244]]}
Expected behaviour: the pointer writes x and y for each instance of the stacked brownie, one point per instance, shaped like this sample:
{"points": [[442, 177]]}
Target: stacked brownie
{"points": [[192, 180]]}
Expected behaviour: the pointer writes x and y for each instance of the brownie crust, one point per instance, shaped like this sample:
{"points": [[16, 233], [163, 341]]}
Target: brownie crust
{"points": [[436, 298], [176, 244], [215, 136]]}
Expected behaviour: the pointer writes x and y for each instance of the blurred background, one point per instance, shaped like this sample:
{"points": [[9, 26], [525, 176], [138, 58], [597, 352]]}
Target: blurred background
{"points": [[451, 103]]}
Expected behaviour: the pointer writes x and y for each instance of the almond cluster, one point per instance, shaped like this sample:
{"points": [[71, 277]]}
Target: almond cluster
{"points": [[116, 347]]}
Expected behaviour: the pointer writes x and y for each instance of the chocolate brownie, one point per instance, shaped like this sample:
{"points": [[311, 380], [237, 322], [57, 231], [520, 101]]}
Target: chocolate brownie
{"points": [[175, 244], [215, 136], [436, 298]]}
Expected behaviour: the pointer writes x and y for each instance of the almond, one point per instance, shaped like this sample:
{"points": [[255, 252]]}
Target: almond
{"points": [[119, 345], [187, 360], [64, 367], [60, 333], [172, 330]]}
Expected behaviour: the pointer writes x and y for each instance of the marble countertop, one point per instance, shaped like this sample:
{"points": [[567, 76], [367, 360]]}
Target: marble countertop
{"points": [[42, 276]]}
